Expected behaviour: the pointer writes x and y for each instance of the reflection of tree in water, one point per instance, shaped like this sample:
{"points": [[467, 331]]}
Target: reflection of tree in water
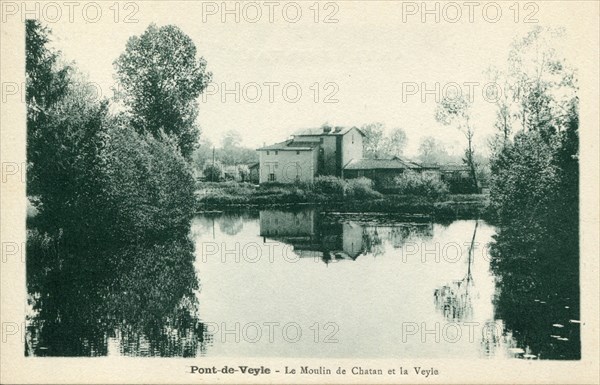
{"points": [[231, 224], [537, 290], [140, 297], [454, 299], [398, 235], [372, 242], [454, 302], [376, 236]]}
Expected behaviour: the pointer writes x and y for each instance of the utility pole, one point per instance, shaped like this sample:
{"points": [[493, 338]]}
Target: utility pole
{"points": [[212, 177]]}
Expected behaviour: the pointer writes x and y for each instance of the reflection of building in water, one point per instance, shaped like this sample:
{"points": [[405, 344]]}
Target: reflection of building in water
{"points": [[310, 237], [327, 239]]}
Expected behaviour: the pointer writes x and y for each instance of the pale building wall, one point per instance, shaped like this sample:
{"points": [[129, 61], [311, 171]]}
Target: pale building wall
{"points": [[352, 146], [352, 238], [288, 165]]}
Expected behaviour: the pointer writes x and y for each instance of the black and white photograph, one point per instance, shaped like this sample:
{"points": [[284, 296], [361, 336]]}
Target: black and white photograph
{"points": [[300, 192]]}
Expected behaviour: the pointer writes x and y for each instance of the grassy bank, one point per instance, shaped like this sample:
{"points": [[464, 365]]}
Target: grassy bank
{"points": [[330, 197]]}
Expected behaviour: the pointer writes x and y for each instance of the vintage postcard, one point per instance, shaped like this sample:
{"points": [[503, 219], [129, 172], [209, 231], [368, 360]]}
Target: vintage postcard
{"points": [[299, 192]]}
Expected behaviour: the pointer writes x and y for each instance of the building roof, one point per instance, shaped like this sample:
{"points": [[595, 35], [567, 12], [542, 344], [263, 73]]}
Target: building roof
{"points": [[323, 131], [381, 164], [454, 167], [290, 145]]}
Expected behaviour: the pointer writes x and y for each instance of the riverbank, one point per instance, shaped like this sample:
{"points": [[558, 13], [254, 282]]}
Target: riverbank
{"points": [[232, 196]]}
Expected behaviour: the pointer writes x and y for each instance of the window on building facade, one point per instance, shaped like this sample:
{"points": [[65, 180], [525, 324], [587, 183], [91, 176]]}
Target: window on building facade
{"points": [[321, 139], [267, 152], [271, 177], [276, 152], [297, 152]]}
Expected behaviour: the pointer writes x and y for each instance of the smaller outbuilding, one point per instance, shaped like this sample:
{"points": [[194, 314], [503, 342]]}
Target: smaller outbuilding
{"points": [[379, 168]]}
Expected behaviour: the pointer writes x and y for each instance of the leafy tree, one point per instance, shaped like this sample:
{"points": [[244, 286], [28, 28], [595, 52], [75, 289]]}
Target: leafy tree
{"points": [[65, 137], [104, 192], [545, 98], [94, 177], [456, 110], [433, 151], [214, 172], [236, 155], [203, 153], [378, 145], [148, 190], [231, 138], [47, 80], [232, 152], [396, 142], [244, 172], [47, 83], [535, 194], [373, 140], [160, 78]]}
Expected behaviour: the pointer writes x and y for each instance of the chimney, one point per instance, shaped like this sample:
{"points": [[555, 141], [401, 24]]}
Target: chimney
{"points": [[326, 129]]}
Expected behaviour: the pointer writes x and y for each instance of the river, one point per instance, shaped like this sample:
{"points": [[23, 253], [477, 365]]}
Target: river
{"points": [[302, 283]]}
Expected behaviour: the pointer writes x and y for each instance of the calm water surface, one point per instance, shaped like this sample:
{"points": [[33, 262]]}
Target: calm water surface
{"points": [[304, 284]]}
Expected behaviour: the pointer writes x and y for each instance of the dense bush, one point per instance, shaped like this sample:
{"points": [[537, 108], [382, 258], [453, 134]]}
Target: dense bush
{"points": [[148, 186], [213, 172], [324, 188], [330, 185], [361, 188], [411, 183]]}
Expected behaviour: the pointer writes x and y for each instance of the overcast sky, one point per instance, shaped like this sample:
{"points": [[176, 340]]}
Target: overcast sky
{"points": [[366, 59]]}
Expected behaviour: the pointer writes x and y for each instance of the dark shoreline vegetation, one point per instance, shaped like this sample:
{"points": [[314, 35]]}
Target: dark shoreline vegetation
{"points": [[109, 255], [235, 196]]}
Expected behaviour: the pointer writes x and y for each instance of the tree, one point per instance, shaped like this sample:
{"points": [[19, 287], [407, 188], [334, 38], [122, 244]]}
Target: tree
{"points": [[378, 145], [148, 187], [160, 79], [373, 140], [232, 152], [65, 137], [47, 83], [94, 177], [230, 139], [535, 193], [456, 110], [396, 142], [544, 94], [203, 153], [213, 172], [433, 151], [46, 79]]}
